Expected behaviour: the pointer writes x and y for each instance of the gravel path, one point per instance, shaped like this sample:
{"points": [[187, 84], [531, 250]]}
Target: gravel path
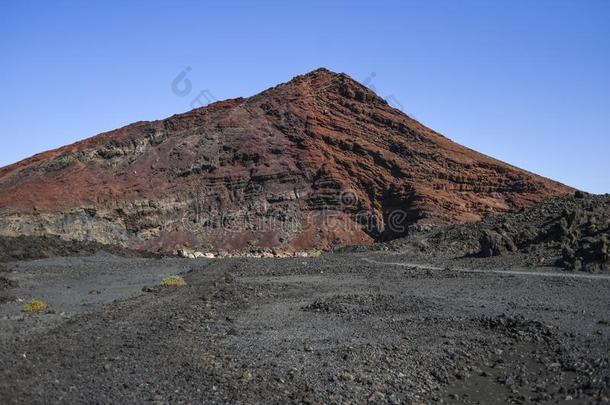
{"points": [[527, 273]]}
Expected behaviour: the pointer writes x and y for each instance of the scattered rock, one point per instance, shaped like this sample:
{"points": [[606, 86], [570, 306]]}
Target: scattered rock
{"points": [[376, 396], [6, 283], [246, 376]]}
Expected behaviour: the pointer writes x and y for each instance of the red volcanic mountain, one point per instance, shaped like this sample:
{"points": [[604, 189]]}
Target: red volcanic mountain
{"points": [[318, 161]]}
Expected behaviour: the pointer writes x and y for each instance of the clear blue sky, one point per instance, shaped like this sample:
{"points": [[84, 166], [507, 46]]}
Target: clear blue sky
{"points": [[527, 82]]}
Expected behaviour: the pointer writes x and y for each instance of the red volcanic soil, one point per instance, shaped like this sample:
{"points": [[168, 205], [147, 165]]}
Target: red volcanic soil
{"points": [[318, 161]]}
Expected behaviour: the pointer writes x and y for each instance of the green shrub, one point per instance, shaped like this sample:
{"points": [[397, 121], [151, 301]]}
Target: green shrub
{"points": [[173, 281], [314, 253], [34, 306]]}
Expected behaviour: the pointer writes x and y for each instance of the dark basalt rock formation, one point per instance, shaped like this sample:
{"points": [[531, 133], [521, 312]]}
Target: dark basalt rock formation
{"points": [[318, 161], [569, 232]]}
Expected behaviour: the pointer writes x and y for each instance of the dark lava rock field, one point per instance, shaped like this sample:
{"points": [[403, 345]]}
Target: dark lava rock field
{"points": [[360, 327], [568, 232]]}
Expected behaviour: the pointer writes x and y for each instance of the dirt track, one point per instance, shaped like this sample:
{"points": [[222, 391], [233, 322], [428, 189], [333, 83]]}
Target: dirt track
{"points": [[337, 329]]}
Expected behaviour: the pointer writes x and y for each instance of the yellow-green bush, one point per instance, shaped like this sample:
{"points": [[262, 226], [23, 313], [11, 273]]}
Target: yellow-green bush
{"points": [[34, 306], [173, 281], [314, 253]]}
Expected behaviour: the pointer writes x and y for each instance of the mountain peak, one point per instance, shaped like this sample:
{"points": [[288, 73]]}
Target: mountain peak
{"points": [[319, 72], [318, 161], [323, 75], [324, 85]]}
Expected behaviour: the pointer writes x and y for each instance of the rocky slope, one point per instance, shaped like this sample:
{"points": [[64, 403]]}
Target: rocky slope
{"points": [[39, 247], [318, 161], [568, 232]]}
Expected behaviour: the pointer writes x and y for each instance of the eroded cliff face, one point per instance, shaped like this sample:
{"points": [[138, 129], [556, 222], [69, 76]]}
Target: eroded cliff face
{"points": [[318, 161]]}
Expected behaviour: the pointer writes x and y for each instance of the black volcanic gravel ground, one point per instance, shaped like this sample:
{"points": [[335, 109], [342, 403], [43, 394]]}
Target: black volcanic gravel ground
{"points": [[336, 329]]}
